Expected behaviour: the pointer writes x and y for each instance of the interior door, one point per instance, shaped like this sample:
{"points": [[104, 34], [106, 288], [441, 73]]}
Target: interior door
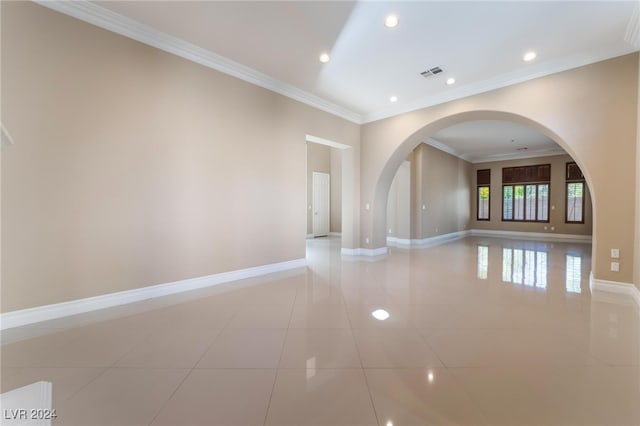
{"points": [[321, 206]]}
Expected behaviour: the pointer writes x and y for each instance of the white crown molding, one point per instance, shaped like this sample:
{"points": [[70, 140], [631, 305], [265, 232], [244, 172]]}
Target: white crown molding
{"points": [[119, 24], [79, 306], [495, 157], [518, 156], [444, 148], [498, 82]]}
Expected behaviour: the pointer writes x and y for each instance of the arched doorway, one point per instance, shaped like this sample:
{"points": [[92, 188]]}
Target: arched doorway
{"points": [[443, 187], [378, 214]]}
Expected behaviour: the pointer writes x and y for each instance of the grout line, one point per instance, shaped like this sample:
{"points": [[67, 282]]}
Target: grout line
{"points": [[162, 407], [284, 341], [104, 370], [366, 380]]}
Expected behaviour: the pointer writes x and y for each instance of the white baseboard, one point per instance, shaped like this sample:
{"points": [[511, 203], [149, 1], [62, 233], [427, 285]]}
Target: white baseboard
{"points": [[331, 234], [79, 306], [364, 251], [543, 236], [452, 236], [616, 287], [398, 242], [429, 241]]}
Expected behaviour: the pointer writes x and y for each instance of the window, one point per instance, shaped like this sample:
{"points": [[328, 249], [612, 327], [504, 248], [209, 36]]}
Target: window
{"points": [[574, 194], [483, 180], [525, 193]]}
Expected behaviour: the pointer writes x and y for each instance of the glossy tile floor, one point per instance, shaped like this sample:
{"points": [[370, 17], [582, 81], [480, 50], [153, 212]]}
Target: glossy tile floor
{"points": [[479, 331]]}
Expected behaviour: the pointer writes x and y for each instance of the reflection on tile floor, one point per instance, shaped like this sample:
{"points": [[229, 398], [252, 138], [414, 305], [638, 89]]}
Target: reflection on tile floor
{"points": [[480, 331]]}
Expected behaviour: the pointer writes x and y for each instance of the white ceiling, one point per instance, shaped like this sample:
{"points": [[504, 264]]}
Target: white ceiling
{"points": [[494, 140], [277, 43]]}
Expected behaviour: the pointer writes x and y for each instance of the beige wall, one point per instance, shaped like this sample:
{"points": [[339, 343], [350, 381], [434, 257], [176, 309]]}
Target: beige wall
{"points": [[590, 114], [324, 159], [133, 167], [556, 199], [441, 183], [637, 236], [336, 190], [399, 204]]}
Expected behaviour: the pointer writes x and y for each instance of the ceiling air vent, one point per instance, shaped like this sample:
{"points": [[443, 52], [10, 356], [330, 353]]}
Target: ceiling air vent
{"points": [[431, 71]]}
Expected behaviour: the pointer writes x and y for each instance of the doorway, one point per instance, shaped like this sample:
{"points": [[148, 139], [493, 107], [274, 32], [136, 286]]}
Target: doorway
{"points": [[321, 206]]}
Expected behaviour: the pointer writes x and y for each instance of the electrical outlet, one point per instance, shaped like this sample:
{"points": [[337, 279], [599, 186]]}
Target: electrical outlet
{"points": [[366, 240], [615, 266], [553, 228], [367, 206], [615, 253]]}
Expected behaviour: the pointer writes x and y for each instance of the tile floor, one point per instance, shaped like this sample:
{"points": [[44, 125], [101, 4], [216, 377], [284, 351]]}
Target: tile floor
{"points": [[480, 331]]}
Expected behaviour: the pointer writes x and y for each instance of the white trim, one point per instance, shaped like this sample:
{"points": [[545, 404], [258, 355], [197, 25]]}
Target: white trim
{"points": [[6, 138], [398, 242], [495, 157], [79, 306], [429, 241], [444, 148], [452, 236], [327, 142], [331, 234], [541, 69], [91, 13], [544, 236], [119, 24], [616, 287], [632, 33], [364, 251], [517, 156]]}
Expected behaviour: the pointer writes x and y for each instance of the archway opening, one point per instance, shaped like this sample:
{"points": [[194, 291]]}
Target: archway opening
{"points": [[444, 175]]}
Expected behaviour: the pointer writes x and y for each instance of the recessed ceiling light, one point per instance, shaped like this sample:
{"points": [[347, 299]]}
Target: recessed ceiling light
{"points": [[529, 56], [324, 57], [393, 99], [451, 81], [380, 314], [391, 21]]}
